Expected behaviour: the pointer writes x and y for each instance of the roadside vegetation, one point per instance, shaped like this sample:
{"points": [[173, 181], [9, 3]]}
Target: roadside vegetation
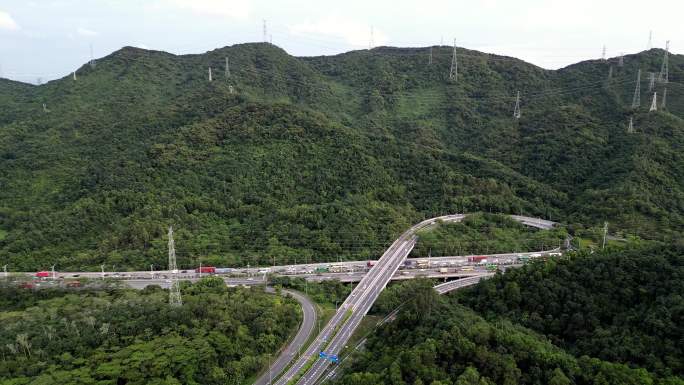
{"points": [[219, 335], [485, 234], [609, 317]]}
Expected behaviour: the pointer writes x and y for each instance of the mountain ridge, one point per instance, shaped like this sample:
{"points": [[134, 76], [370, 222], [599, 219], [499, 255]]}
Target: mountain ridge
{"points": [[257, 162]]}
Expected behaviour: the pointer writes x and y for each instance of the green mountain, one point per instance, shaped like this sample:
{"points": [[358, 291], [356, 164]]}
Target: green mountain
{"points": [[321, 158]]}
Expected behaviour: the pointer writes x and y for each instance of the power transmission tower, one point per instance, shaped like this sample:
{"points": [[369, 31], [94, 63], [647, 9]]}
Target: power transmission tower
{"points": [[210, 74], [650, 40], [630, 128], [651, 81], [603, 55], [621, 60], [636, 99], [174, 290], [92, 57], [453, 72], [430, 57], [516, 109], [45, 108], [371, 42], [662, 104], [74, 75], [654, 103], [264, 31], [605, 233], [227, 68], [664, 70]]}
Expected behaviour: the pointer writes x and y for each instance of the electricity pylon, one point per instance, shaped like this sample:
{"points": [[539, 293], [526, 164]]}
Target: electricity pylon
{"points": [[92, 57], [630, 128], [210, 74], [227, 68], [662, 104], [651, 81], [636, 99], [516, 109], [174, 290], [453, 72], [654, 103], [664, 70]]}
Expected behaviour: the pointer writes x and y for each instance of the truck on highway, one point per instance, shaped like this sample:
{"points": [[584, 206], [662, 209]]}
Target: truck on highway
{"points": [[370, 264], [467, 268], [206, 270], [337, 268], [492, 267], [422, 263], [223, 270], [477, 258], [443, 270], [43, 274], [321, 269]]}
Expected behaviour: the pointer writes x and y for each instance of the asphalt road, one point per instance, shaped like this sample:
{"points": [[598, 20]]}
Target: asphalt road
{"points": [[340, 328], [295, 346]]}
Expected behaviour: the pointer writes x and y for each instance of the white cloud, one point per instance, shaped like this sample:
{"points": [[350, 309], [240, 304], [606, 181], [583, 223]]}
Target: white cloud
{"points": [[234, 9], [352, 32], [6, 22], [86, 32]]}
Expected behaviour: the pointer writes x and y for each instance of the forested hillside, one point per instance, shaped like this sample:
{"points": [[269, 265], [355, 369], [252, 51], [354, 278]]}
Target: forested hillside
{"points": [[322, 157], [218, 336], [622, 306], [435, 340]]}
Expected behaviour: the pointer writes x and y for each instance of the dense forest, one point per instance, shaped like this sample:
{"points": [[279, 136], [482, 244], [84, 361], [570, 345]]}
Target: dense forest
{"points": [[623, 306], [321, 158], [219, 335], [549, 330], [436, 340], [486, 234]]}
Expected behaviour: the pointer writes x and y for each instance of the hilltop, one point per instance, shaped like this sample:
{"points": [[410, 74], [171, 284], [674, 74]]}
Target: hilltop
{"points": [[323, 157]]}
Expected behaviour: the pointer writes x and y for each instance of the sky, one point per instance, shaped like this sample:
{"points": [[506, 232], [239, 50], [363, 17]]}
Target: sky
{"points": [[41, 40]]}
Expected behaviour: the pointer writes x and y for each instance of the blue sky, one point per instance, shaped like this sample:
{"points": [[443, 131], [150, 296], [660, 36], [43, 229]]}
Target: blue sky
{"points": [[48, 39]]}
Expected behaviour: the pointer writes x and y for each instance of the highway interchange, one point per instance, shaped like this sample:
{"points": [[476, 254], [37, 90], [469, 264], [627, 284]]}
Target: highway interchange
{"points": [[308, 368]]}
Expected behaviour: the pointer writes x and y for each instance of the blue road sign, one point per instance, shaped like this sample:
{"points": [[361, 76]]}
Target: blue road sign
{"points": [[322, 355]]}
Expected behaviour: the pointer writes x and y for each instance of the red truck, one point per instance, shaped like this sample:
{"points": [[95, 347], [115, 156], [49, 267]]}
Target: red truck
{"points": [[370, 264], [43, 274], [206, 270], [476, 258]]}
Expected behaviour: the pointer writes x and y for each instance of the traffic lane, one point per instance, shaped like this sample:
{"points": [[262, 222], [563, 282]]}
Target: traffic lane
{"points": [[309, 318]]}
